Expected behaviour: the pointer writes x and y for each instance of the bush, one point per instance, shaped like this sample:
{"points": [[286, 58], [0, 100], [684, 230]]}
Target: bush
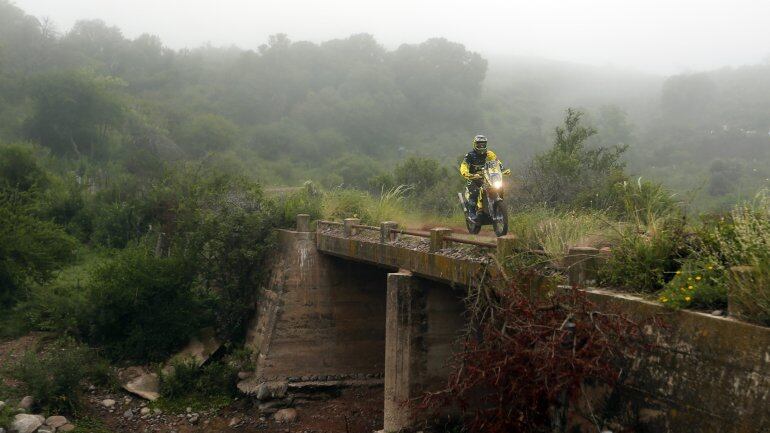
{"points": [[700, 283], [188, 385], [31, 250], [645, 262], [56, 377], [341, 203], [143, 307], [308, 200]]}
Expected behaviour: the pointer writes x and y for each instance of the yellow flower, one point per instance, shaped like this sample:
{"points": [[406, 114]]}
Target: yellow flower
{"points": [[710, 268], [697, 278], [687, 298], [664, 299], [689, 278], [679, 272], [690, 287]]}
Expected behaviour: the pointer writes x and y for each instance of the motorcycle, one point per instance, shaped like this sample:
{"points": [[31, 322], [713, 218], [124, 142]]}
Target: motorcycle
{"points": [[490, 208]]}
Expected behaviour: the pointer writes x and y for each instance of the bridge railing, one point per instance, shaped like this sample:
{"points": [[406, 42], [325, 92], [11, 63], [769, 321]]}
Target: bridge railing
{"points": [[580, 263]]}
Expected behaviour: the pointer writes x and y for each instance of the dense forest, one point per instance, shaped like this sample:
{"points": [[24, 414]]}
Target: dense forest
{"points": [[344, 111]]}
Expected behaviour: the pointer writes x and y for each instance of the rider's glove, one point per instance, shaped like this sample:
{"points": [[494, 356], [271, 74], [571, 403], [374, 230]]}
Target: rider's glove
{"points": [[474, 176]]}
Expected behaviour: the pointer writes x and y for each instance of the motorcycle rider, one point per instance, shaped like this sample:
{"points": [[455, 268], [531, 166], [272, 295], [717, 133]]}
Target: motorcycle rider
{"points": [[472, 164]]}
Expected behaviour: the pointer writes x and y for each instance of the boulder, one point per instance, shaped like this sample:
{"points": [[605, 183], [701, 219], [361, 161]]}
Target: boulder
{"points": [[286, 415], [200, 348], [24, 423], [26, 403], [273, 389], [55, 421], [146, 386]]}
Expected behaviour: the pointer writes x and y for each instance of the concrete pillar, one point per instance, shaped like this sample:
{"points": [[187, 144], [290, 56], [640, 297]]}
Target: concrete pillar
{"points": [[402, 349], [348, 228], [303, 222], [582, 265], [437, 236], [386, 231]]}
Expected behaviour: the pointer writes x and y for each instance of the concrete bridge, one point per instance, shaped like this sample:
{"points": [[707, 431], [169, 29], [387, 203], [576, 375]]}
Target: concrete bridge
{"points": [[350, 304]]}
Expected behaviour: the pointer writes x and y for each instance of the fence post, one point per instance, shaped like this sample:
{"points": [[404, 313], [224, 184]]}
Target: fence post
{"points": [[303, 222], [437, 236], [582, 265], [386, 231], [506, 246], [349, 230]]}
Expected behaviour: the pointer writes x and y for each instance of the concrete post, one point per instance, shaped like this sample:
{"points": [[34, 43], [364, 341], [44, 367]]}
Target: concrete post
{"points": [[348, 228], [506, 246], [402, 349], [582, 265], [386, 231], [303, 222], [437, 236]]}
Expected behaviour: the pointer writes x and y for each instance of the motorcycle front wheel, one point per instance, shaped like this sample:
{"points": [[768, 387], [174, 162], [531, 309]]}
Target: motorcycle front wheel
{"points": [[500, 219], [473, 228]]}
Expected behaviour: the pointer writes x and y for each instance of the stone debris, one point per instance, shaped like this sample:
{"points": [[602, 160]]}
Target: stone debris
{"points": [[145, 385], [285, 416], [46, 429], [108, 403], [55, 421], [26, 403], [24, 423], [199, 349]]}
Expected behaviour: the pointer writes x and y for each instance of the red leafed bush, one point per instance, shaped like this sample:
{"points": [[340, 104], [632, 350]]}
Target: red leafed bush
{"points": [[525, 358]]}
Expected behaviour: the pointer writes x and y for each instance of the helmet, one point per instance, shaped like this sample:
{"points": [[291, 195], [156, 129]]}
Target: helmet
{"points": [[480, 144]]}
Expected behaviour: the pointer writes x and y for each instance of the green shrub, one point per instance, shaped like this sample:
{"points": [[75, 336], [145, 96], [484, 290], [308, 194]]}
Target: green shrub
{"points": [[31, 250], [190, 385], [56, 377], [700, 283], [646, 261], [6, 417], [308, 200], [143, 307], [555, 231], [339, 204]]}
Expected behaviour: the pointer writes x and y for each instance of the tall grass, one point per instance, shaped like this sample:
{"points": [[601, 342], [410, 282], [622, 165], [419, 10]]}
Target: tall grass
{"points": [[556, 231], [342, 203]]}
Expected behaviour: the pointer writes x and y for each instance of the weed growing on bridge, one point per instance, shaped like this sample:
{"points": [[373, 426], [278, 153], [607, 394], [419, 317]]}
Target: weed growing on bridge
{"points": [[526, 360]]}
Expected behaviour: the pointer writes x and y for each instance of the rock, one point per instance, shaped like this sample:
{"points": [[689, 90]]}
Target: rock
{"points": [[145, 411], [46, 429], [188, 410], [234, 421], [56, 421], [66, 428], [245, 374], [718, 313], [26, 403], [23, 423], [200, 348], [157, 411], [285, 416], [108, 403], [193, 418], [128, 414], [274, 389], [2, 430], [146, 386]]}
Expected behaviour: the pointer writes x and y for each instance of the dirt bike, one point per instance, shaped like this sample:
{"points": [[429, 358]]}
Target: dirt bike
{"points": [[490, 207]]}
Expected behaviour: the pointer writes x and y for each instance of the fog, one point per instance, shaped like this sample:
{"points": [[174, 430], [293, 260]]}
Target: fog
{"points": [[659, 36]]}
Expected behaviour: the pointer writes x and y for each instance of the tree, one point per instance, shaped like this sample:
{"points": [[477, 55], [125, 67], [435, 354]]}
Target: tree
{"points": [[204, 133], [570, 173], [74, 112]]}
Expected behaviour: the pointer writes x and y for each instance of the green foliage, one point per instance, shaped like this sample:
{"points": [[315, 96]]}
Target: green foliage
{"points": [[55, 378], [339, 204], [700, 283], [31, 250], [6, 417], [74, 112], [187, 379], [308, 200], [556, 231], [141, 307], [205, 133], [19, 168], [645, 261], [571, 173]]}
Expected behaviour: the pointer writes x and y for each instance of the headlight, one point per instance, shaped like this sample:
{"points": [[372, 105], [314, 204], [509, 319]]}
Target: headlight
{"points": [[497, 184]]}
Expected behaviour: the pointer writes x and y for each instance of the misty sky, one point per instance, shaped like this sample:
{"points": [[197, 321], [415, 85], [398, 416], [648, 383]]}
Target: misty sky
{"points": [[664, 36]]}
